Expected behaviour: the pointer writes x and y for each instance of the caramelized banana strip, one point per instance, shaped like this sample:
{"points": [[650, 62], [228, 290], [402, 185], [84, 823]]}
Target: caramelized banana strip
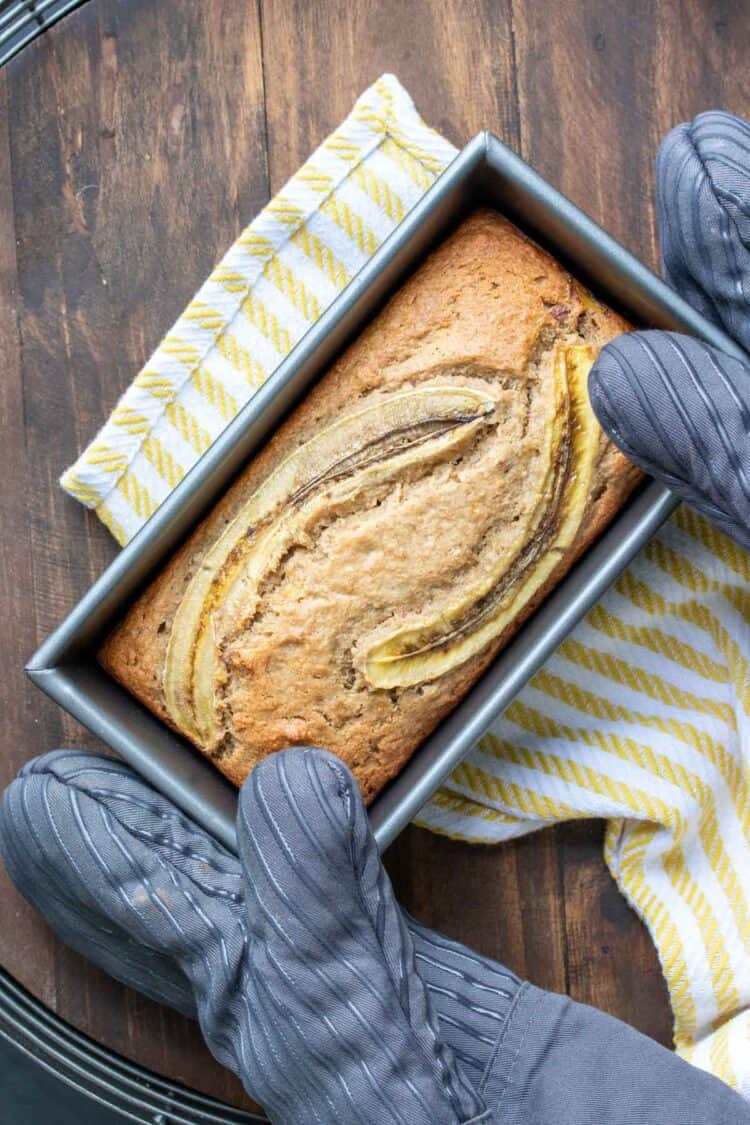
{"points": [[403, 428], [236, 596], [434, 647], [413, 638]]}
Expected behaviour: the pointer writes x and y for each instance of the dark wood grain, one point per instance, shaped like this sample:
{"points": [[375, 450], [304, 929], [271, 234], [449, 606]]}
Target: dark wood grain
{"points": [[599, 85], [21, 932], [455, 59], [135, 141]]}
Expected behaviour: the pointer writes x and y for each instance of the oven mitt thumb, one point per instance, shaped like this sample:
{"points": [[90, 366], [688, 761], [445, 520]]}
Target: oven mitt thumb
{"points": [[678, 408], [330, 969], [308, 981]]}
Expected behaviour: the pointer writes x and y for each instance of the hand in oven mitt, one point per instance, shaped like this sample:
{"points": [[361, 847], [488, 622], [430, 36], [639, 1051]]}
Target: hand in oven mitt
{"points": [[307, 979], [677, 407]]}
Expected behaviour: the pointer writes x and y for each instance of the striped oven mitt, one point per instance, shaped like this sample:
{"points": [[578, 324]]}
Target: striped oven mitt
{"points": [[640, 715], [332, 1006]]}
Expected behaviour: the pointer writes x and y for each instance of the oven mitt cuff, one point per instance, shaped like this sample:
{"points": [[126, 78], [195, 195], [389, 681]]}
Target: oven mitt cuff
{"points": [[561, 1062], [681, 411]]}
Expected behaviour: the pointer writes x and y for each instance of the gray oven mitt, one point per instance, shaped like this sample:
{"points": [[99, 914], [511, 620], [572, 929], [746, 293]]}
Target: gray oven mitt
{"points": [[307, 979], [678, 408]]}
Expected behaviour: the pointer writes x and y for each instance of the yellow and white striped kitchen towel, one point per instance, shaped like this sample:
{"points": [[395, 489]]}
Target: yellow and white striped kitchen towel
{"points": [[642, 714]]}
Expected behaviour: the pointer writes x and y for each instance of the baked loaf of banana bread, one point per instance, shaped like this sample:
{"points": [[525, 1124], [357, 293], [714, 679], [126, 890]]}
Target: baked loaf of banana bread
{"points": [[369, 563]]}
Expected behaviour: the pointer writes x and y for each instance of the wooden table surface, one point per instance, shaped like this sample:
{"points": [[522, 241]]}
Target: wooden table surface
{"points": [[136, 139]]}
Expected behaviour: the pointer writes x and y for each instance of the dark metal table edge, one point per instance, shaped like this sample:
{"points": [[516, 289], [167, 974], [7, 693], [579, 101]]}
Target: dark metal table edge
{"points": [[100, 1074], [22, 21]]}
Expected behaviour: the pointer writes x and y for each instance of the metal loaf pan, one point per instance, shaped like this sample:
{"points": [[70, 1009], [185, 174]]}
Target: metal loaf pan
{"points": [[485, 172]]}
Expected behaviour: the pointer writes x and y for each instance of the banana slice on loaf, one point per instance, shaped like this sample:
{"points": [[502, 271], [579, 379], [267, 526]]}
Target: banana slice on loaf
{"points": [[370, 562]]}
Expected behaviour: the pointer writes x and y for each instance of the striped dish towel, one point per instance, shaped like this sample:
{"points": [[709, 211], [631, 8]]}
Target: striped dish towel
{"points": [[637, 718]]}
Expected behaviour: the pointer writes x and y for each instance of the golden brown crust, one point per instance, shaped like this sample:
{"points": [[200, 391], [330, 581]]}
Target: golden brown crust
{"points": [[485, 309]]}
